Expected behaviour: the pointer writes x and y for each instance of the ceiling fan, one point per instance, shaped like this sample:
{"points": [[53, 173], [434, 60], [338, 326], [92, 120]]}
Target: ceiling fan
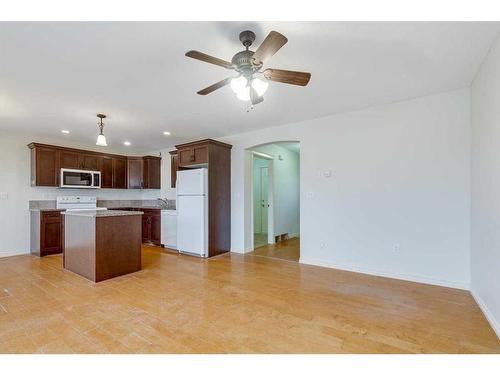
{"points": [[248, 84]]}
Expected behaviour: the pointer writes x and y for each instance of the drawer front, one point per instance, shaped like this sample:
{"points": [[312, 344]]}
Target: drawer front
{"points": [[51, 214]]}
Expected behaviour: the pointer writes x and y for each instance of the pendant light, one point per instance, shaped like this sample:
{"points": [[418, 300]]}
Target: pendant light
{"points": [[101, 139]]}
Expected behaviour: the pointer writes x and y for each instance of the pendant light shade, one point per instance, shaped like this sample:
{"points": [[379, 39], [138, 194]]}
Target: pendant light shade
{"points": [[101, 139]]}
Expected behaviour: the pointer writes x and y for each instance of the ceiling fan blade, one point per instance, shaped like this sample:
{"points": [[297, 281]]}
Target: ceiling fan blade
{"points": [[254, 97], [215, 86], [287, 76], [273, 42], [209, 59]]}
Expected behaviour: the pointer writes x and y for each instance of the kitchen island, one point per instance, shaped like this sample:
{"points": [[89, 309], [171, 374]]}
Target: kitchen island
{"points": [[100, 245]]}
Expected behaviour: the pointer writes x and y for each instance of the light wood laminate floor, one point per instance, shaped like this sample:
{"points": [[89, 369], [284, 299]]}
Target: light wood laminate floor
{"points": [[230, 304], [286, 250]]}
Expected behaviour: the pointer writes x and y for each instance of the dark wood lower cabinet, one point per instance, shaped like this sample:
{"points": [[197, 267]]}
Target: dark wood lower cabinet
{"points": [[46, 233], [151, 226], [47, 230]]}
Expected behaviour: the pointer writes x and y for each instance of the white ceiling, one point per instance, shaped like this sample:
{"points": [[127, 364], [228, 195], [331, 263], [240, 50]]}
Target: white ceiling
{"points": [[57, 76]]}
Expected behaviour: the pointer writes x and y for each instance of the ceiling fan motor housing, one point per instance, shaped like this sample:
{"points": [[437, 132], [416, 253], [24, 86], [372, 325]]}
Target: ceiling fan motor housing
{"points": [[247, 37], [243, 61]]}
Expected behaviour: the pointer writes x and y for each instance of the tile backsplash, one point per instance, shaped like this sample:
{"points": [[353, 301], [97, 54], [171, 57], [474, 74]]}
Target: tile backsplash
{"points": [[169, 204]]}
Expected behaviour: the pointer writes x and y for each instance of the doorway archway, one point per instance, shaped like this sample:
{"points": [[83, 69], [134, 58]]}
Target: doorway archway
{"points": [[274, 195]]}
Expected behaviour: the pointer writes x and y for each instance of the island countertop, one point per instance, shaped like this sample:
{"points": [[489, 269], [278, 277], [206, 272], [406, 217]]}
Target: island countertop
{"points": [[102, 244], [101, 213]]}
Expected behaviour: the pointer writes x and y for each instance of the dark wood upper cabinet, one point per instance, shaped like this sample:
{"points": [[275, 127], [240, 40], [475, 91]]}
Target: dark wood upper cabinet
{"points": [[144, 172], [91, 162], [106, 172], [70, 159], [79, 160], [119, 173], [193, 155], [44, 166], [134, 170], [47, 161], [151, 169], [174, 167]]}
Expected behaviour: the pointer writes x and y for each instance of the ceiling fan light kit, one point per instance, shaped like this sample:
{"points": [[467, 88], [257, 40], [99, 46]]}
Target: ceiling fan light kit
{"points": [[247, 86]]}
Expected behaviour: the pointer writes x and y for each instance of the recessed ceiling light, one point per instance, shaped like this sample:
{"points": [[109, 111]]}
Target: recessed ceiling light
{"points": [[166, 133], [127, 143], [65, 131]]}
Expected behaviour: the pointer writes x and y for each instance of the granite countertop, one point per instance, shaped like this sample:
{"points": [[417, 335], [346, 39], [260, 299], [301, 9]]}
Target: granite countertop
{"points": [[46, 209], [151, 204], [101, 213]]}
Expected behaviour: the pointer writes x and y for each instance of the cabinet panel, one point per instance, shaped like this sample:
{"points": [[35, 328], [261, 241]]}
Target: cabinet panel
{"points": [[146, 228], [50, 233], [174, 167], [106, 172], [46, 171], [151, 226], [151, 172], [200, 154], [91, 162], [134, 170], [156, 229], [193, 155], [186, 156], [119, 173], [70, 159]]}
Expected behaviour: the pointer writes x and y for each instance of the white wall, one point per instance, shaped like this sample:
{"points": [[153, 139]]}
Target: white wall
{"points": [[400, 176], [485, 245], [15, 183], [286, 177]]}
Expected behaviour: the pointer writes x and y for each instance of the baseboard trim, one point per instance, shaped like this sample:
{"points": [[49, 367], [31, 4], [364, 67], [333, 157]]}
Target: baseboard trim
{"points": [[392, 275], [487, 313], [239, 251], [13, 253]]}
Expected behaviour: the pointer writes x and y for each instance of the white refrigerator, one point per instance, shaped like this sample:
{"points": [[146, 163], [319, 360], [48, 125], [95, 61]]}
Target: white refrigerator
{"points": [[192, 212]]}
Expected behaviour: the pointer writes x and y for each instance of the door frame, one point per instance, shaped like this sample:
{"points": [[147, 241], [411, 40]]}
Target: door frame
{"points": [[270, 197], [263, 189]]}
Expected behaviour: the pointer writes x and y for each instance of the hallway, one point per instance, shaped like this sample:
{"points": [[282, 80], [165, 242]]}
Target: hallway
{"points": [[286, 250]]}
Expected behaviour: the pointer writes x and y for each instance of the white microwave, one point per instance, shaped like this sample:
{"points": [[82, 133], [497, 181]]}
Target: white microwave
{"points": [[80, 179]]}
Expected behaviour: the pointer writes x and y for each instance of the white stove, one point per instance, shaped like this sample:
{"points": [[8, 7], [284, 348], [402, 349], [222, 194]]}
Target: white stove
{"points": [[78, 203]]}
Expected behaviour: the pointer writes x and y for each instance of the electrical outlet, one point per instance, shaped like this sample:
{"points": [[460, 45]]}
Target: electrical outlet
{"points": [[323, 245], [396, 247], [4, 195]]}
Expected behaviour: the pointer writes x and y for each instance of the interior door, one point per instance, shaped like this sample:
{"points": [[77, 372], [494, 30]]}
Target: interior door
{"points": [[264, 198]]}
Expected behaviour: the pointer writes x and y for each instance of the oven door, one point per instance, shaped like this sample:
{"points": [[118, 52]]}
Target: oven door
{"points": [[75, 178]]}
